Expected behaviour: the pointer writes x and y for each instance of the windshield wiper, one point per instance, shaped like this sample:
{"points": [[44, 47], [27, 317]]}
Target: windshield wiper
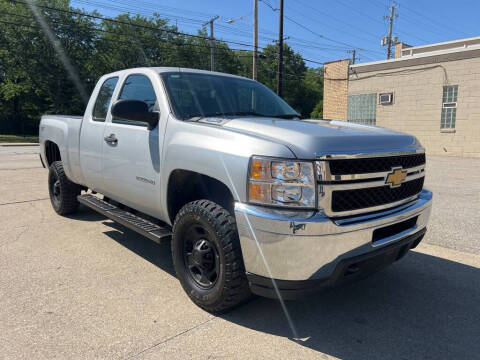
{"points": [[196, 117], [286, 116], [253, 113], [236, 113]]}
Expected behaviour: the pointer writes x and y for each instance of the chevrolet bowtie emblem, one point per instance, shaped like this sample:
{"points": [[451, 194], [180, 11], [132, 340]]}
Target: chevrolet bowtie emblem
{"points": [[396, 177]]}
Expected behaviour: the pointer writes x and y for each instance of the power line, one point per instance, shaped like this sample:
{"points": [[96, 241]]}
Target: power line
{"points": [[125, 23], [97, 17], [150, 8], [115, 41], [301, 43], [359, 12], [315, 33], [227, 30], [328, 16], [379, 21], [308, 29], [440, 25], [148, 28], [220, 28], [132, 36]]}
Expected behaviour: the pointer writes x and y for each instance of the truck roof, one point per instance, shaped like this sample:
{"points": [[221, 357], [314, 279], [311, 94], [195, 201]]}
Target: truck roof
{"points": [[165, 69]]}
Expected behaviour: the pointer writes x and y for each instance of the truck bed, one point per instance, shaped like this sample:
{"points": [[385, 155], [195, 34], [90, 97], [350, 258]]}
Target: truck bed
{"points": [[63, 130]]}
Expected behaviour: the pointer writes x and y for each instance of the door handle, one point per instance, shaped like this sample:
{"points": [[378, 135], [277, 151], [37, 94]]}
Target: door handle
{"points": [[111, 139]]}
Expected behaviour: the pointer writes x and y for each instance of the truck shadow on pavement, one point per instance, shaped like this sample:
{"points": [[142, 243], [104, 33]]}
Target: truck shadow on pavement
{"points": [[159, 255], [420, 307], [86, 214]]}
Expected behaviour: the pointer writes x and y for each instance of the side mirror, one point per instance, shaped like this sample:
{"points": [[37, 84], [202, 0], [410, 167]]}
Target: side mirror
{"points": [[135, 110]]}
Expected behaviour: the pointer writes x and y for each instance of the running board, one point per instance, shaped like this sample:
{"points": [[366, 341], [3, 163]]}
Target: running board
{"points": [[133, 222]]}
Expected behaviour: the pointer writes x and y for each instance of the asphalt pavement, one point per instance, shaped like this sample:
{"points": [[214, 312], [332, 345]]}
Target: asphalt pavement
{"points": [[84, 287]]}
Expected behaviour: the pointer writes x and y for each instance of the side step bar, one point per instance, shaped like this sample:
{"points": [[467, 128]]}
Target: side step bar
{"points": [[133, 222]]}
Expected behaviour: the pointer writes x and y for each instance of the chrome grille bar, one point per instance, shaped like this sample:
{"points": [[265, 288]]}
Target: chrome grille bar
{"points": [[328, 183]]}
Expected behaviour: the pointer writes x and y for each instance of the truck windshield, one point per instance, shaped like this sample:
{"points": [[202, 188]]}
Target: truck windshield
{"points": [[195, 95]]}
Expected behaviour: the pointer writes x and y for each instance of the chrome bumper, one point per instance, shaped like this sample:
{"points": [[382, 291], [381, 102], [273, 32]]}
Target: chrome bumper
{"points": [[293, 245]]}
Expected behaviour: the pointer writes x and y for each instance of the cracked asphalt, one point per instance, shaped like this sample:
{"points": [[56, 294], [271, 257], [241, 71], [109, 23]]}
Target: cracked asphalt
{"points": [[85, 288]]}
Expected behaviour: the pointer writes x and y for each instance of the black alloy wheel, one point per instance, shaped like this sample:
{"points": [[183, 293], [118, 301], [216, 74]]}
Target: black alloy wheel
{"points": [[54, 189], [201, 256]]}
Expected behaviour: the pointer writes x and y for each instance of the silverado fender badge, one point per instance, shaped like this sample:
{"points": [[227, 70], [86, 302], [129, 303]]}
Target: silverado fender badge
{"points": [[396, 177], [148, 181]]}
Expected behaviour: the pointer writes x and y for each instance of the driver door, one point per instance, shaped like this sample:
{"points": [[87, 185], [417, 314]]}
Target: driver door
{"points": [[131, 152]]}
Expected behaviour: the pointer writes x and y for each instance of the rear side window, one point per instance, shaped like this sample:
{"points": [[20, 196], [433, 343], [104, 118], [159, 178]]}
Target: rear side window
{"points": [[103, 99]]}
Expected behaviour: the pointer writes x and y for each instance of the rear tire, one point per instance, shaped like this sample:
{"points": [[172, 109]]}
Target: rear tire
{"points": [[63, 192], [207, 256]]}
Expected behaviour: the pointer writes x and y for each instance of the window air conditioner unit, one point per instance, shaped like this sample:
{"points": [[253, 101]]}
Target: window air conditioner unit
{"points": [[385, 99]]}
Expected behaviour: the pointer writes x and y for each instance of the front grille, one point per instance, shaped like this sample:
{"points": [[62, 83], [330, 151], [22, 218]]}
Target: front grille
{"points": [[348, 200], [373, 165]]}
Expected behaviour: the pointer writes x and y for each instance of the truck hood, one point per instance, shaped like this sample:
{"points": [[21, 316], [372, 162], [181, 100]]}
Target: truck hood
{"points": [[310, 138]]}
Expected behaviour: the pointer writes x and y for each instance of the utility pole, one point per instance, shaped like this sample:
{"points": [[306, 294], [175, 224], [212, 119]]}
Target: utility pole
{"points": [[280, 52], [255, 39], [354, 55], [390, 30], [212, 42]]}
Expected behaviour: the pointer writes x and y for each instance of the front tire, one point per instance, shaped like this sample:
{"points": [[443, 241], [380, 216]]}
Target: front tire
{"points": [[207, 256], [63, 192]]}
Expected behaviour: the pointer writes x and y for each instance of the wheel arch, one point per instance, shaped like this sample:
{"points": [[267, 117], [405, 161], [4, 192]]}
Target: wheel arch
{"points": [[185, 186], [52, 152]]}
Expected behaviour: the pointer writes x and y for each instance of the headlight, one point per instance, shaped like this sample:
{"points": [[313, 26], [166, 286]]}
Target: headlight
{"points": [[281, 182]]}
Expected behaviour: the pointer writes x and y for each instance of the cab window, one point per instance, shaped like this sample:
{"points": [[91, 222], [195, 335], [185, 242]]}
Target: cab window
{"points": [[137, 87], [104, 98]]}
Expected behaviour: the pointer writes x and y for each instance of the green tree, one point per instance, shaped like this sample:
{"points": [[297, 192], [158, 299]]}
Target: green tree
{"points": [[302, 87], [313, 96], [51, 58], [34, 80]]}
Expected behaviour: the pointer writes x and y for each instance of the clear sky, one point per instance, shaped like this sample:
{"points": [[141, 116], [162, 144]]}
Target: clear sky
{"points": [[321, 30]]}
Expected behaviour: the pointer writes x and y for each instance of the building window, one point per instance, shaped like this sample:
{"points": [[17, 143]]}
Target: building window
{"points": [[449, 107], [362, 109]]}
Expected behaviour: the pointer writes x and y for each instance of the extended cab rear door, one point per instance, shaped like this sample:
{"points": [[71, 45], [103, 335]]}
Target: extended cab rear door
{"points": [[91, 133], [131, 163]]}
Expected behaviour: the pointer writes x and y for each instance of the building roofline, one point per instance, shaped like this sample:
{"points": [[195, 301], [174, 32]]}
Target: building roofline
{"points": [[442, 55], [334, 61], [451, 42]]}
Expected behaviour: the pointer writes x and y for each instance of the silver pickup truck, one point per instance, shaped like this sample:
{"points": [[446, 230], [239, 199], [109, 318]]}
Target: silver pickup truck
{"points": [[254, 198]]}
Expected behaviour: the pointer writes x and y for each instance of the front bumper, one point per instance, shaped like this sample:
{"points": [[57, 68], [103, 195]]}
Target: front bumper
{"points": [[298, 246], [347, 270]]}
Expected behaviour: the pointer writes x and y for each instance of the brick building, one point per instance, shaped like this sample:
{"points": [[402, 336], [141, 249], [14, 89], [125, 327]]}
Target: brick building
{"points": [[432, 92]]}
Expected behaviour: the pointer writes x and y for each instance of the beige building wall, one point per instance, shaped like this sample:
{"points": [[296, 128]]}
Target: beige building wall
{"points": [[417, 103], [335, 89]]}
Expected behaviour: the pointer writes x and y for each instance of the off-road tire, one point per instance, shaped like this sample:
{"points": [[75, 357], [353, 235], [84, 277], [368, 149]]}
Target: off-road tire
{"points": [[63, 195], [231, 286]]}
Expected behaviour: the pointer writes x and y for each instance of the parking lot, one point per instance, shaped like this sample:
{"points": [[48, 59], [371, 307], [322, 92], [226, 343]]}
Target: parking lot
{"points": [[84, 287]]}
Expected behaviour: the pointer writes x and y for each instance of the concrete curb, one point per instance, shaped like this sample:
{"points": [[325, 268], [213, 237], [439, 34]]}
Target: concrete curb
{"points": [[18, 144]]}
